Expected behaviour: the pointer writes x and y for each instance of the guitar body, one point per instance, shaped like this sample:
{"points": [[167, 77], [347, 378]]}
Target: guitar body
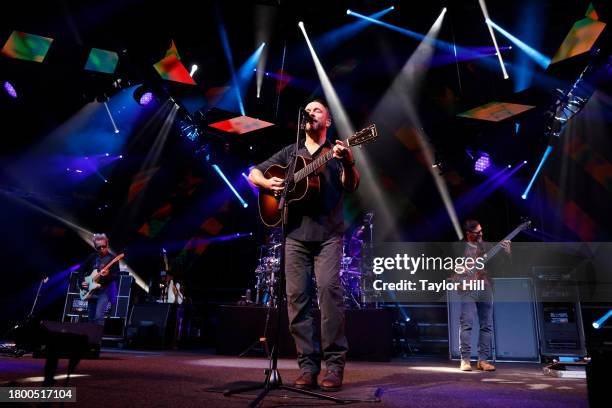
{"points": [[92, 279], [92, 285], [268, 201], [305, 178]]}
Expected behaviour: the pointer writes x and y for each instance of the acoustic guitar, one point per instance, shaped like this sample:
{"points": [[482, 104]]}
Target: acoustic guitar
{"points": [[304, 177]]}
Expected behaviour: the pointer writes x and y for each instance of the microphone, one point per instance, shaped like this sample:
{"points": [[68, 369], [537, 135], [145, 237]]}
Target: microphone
{"points": [[306, 115]]}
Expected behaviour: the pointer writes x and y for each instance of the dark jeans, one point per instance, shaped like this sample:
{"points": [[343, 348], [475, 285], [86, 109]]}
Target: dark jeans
{"points": [[472, 303], [97, 304], [302, 259]]}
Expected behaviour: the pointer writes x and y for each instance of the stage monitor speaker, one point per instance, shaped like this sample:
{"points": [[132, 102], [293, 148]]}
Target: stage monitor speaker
{"points": [[514, 322], [559, 312], [152, 325], [65, 336]]}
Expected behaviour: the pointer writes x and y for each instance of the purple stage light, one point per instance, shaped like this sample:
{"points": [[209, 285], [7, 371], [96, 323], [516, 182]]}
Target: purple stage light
{"points": [[10, 89], [146, 98], [482, 163]]}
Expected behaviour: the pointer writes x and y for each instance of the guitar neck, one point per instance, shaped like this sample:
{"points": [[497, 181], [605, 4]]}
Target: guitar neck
{"points": [[493, 251], [313, 166], [365, 135], [105, 270]]}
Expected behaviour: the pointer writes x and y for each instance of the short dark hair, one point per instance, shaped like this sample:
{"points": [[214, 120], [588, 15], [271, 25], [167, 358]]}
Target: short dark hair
{"points": [[321, 101], [469, 225]]}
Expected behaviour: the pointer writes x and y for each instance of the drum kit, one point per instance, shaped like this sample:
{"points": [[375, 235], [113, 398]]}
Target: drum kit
{"points": [[351, 266], [267, 273]]}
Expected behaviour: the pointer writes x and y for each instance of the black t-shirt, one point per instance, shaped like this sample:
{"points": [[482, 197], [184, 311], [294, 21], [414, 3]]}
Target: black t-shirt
{"points": [[95, 261], [319, 216]]}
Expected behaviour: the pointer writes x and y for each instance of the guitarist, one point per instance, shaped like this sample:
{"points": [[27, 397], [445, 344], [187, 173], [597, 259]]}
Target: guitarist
{"points": [[477, 302], [108, 292], [314, 245]]}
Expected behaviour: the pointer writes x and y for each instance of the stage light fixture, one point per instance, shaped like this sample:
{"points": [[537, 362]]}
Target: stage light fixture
{"points": [[143, 95], [599, 322], [10, 89], [194, 68], [482, 163], [102, 98]]}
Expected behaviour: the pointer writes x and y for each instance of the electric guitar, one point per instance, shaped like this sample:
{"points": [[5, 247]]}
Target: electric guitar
{"points": [[304, 179], [493, 251], [92, 280]]}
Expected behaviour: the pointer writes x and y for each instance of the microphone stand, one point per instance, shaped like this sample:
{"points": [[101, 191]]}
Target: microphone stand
{"points": [[43, 280], [273, 379]]}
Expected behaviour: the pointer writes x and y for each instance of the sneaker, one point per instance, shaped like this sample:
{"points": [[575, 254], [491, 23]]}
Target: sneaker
{"points": [[485, 366], [466, 365]]}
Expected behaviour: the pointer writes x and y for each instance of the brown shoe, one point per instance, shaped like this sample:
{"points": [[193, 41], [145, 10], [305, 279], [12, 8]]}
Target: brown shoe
{"points": [[306, 380], [466, 365], [332, 380], [485, 366]]}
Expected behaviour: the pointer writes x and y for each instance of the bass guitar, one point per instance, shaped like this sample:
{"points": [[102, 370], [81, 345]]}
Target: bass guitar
{"points": [[495, 249], [304, 177], [94, 277]]}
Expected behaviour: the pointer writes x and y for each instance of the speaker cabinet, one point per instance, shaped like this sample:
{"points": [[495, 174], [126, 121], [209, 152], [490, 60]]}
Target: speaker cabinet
{"points": [[153, 325]]}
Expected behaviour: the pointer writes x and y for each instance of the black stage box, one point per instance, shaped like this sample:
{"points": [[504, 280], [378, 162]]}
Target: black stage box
{"points": [[65, 338], [153, 325], [369, 332]]}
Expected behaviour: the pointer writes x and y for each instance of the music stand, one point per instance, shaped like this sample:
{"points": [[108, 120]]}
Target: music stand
{"points": [[273, 379]]}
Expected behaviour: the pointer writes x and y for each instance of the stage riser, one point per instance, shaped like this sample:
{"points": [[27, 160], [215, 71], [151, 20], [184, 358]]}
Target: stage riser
{"points": [[369, 332]]}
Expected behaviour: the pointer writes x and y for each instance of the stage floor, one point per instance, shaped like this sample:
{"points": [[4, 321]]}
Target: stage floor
{"points": [[164, 379]]}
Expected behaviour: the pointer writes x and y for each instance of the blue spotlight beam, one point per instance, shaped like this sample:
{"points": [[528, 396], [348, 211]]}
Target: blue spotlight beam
{"points": [[247, 71], [597, 324], [220, 173], [535, 175], [332, 39], [541, 59], [405, 31], [241, 80], [230, 62]]}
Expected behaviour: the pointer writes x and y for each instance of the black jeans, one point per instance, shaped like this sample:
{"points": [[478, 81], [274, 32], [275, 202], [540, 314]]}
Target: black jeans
{"points": [[302, 259]]}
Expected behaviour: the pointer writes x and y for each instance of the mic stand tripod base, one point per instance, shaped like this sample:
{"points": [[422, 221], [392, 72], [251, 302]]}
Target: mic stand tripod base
{"points": [[273, 382]]}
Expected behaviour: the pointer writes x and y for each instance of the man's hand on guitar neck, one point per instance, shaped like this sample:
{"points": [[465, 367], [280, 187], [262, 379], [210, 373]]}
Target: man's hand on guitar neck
{"points": [[506, 246], [350, 175], [343, 153]]}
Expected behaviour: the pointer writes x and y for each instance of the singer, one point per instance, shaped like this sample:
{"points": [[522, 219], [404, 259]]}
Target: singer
{"points": [[314, 245]]}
